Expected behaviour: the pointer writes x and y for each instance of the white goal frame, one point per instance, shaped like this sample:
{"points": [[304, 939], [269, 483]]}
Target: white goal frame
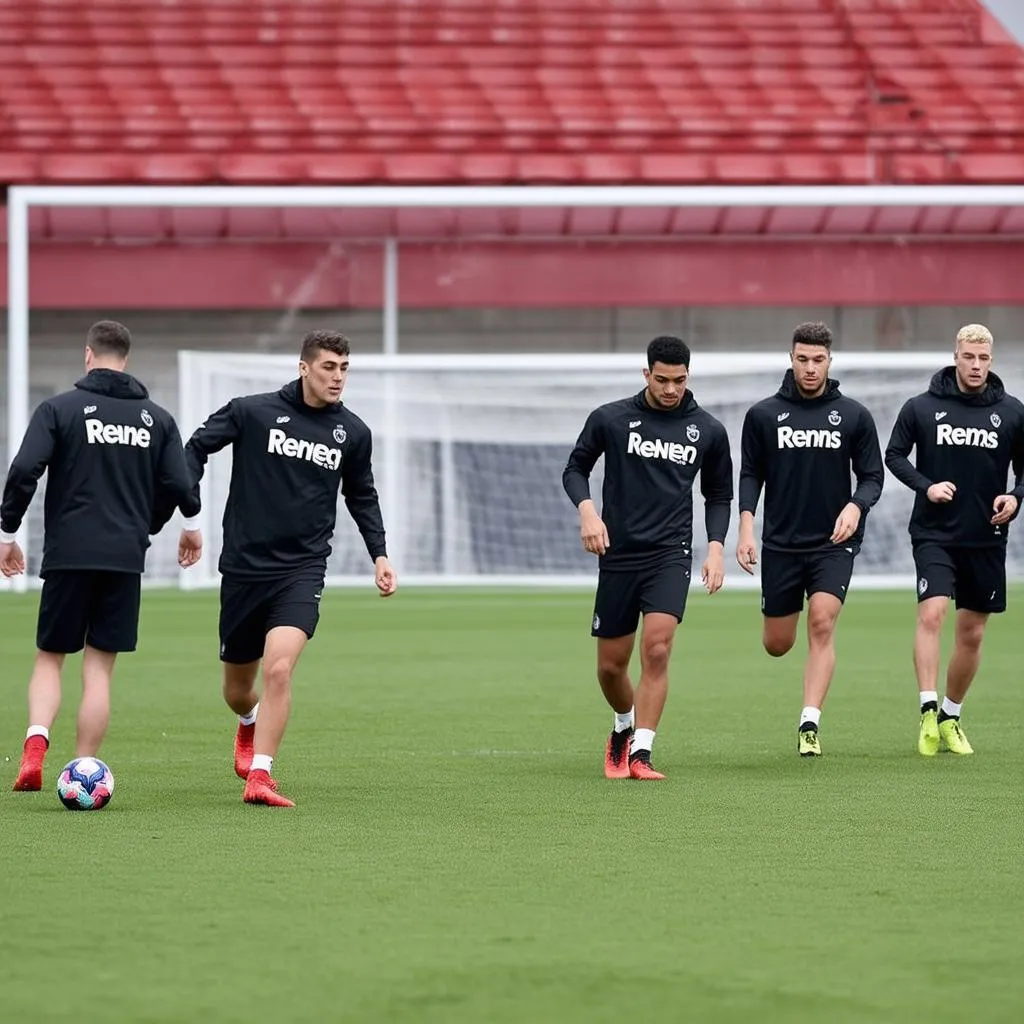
{"points": [[21, 199], [195, 404]]}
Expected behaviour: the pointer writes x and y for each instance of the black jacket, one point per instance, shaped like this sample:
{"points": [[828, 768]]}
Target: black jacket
{"points": [[288, 461], [802, 451], [113, 456], [969, 439], [651, 459]]}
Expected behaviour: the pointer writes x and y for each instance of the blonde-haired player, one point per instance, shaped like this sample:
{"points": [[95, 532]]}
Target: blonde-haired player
{"points": [[968, 432]]}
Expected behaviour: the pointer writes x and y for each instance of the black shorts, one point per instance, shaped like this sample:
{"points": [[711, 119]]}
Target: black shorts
{"points": [[624, 595], [975, 577], [249, 609], [786, 576], [89, 606]]}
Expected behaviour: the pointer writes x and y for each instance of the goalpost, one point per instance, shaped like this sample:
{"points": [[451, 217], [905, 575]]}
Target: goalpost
{"points": [[469, 452], [469, 449]]}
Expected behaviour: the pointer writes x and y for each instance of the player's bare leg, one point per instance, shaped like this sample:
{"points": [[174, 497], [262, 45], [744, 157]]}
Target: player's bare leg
{"points": [[963, 667], [822, 614], [94, 711], [43, 705], [966, 656], [281, 653], [931, 614], [240, 695], [613, 654], [779, 633], [656, 638]]}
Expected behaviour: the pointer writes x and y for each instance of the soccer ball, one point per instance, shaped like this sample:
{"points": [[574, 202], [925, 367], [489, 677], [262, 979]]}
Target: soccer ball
{"points": [[85, 784]]}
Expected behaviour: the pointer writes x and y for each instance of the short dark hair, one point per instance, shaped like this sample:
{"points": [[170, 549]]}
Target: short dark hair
{"points": [[813, 332], [323, 341], [109, 338], [668, 350]]}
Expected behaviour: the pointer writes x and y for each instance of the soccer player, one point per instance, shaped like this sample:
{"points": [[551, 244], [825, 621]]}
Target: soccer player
{"points": [[292, 449], [800, 445], [967, 432], [113, 456], [653, 444]]}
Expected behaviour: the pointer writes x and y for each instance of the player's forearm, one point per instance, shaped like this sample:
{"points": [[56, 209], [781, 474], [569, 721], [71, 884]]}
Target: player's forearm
{"points": [[375, 545], [904, 470], [749, 493], [867, 492], [577, 486], [716, 521], [18, 492], [364, 508], [746, 523], [1018, 477]]}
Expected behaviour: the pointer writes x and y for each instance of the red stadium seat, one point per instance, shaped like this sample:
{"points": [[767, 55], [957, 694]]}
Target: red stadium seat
{"points": [[453, 90]]}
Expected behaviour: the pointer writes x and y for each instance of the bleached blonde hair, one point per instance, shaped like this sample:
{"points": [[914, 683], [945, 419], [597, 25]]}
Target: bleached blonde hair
{"points": [[977, 333]]}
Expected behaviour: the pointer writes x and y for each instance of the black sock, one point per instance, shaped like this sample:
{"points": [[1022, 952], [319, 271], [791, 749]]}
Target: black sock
{"points": [[641, 755], [943, 717], [929, 705], [808, 727]]}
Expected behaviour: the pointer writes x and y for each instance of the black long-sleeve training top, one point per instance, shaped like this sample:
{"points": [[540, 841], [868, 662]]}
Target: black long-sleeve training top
{"points": [[652, 457], [113, 458], [802, 452], [288, 462], [970, 439]]}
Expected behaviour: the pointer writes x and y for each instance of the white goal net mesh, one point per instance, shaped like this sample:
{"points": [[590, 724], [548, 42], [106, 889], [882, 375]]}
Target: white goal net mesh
{"points": [[469, 452]]}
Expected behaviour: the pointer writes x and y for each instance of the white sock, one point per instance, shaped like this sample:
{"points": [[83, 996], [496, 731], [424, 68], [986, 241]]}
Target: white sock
{"points": [[624, 721], [812, 715], [643, 739], [951, 709], [38, 730], [261, 763], [250, 719], [929, 696]]}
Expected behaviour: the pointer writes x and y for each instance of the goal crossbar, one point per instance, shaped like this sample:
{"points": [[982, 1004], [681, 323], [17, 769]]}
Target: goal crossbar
{"points": [[21, 198]]}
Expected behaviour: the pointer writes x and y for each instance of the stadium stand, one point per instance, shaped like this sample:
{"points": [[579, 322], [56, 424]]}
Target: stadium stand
{"points": [[582, 91]]}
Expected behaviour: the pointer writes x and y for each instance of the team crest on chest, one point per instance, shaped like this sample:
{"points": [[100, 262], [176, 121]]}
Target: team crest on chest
{"points": [[692, 432], [834, 418], [995, 420], [340, 435]]}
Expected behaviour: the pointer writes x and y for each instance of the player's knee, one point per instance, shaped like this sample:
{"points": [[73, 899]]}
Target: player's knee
{"points": [[656, 653], [611, 669], [778, 644], [277, 674], [930, 619], [970, 636], [820, 628]]}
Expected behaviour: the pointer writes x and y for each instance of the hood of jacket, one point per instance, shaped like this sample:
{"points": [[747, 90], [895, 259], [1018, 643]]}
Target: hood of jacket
{"points": [[944, 385], [685, 407], [112, 383], [292, 393], [791, 393]]}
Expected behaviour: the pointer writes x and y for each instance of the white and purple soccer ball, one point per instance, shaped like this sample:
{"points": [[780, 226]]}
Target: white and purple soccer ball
{"points": [[85, 784]]}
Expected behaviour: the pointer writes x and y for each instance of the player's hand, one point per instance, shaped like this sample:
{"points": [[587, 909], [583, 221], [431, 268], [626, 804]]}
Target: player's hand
{"points": [[941, 493], [713, 570], [746, 553], [385, 577], [594, 533], [190, 548], [1005, 507], [12, 561], [846, 523]]}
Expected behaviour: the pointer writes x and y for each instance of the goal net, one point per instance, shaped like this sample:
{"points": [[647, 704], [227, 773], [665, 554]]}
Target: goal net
{"points": [[469, 452]]}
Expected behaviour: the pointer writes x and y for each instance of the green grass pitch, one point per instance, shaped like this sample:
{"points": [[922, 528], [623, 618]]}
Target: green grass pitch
{"points": [[457, 856]]}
